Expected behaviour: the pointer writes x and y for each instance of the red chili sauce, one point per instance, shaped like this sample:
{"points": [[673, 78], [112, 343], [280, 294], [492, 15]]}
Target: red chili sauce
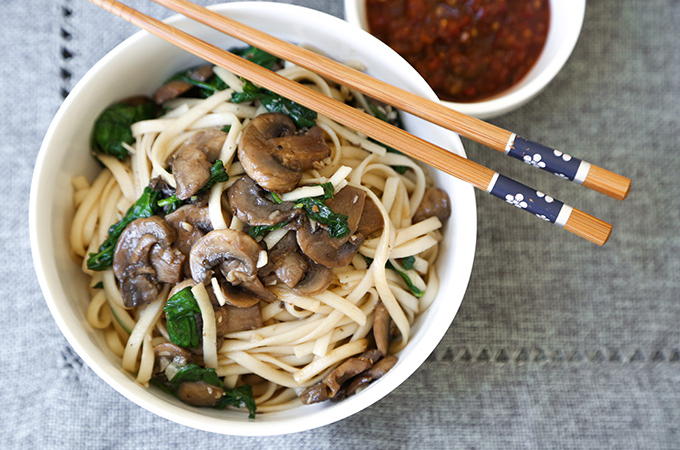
{"points": [[466, 50]]}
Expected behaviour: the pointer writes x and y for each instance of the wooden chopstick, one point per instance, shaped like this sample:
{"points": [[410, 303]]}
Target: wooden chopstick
{"points": [[509, 143], [483, 178]]}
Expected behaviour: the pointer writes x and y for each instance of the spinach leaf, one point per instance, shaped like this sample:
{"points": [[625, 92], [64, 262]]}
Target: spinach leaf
{"points": [[112, 127], [303, 117], [404, 276], [217, 175], [145, 206], [260, 230], [192, 372], [408, 262], [170, 204], [328, 190], [260, 57], [239, 397], [317, 210], [205, 88], [180, 310]]}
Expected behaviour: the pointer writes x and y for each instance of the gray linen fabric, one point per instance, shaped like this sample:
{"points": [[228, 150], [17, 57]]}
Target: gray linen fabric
{"points": [[558, 343]]}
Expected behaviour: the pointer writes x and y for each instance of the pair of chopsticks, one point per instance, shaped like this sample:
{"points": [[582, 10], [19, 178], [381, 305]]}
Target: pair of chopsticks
{"points": [[483, 178]]}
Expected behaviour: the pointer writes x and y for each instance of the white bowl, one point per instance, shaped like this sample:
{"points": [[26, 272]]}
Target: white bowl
{"points": [[566, 19], [64, 154]]}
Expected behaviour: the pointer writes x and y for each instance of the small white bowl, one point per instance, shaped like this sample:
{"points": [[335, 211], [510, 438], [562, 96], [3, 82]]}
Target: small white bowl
{"points": [[65, 154], [566, 19]]}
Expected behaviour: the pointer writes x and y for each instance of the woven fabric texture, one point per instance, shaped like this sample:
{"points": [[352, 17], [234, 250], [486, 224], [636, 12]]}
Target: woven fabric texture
{"points": [[558, 343]]}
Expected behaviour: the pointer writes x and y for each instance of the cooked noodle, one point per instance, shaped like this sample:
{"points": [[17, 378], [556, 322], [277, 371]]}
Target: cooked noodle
{"points": [[303, 336]]}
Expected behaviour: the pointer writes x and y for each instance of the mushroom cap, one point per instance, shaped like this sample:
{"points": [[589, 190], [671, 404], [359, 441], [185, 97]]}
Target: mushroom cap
{"points": [[235, 255], [229, 249], [435, 202], [181, 285], [349, 201], [144, 258], [230, 319], [325, 250], [274, 156], [191, 222], [371, 219], [191, 163], [241, 298], [316, 280], [248, 202], [199, 393]]}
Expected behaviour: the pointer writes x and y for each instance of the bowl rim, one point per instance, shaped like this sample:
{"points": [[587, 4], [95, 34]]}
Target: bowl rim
{"points": [[53, 291], [513, 98]]}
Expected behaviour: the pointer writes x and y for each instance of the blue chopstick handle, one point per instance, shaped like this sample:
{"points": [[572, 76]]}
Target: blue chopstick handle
{"points": [[535, 202], [549, 159]]}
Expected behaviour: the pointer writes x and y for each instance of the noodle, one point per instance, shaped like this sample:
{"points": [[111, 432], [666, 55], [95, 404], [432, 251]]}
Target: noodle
{"points": [[302, 336]]}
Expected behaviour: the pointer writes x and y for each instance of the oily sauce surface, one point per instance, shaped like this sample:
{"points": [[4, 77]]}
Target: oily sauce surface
{"points": [[466, 50]]}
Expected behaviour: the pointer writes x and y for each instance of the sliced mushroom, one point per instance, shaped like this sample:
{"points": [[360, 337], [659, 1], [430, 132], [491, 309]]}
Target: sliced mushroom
{"points": [[199, 393], [285, 263], [191, 223], [176, 88], [249, 203], [379, 369], [181, 285], [316, 280], [144, 258], [235, 255], [335, 252], [297, 271], [381, 328], [274, 156], [191, 163], [242, 298], [345, 371], [350, 368], [435, 202], [371, 219], [324, 250], [169, 359], [315, 394], [334, 386], [349, 201], [230, 319]]}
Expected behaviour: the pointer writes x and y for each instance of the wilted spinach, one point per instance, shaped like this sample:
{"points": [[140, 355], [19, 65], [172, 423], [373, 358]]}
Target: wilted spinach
{"points": [[404, 276], [145, 206], [316, 209], [303, 117], [112, 127], [241, 396], [259, 57], [260, 230], [181, 323]]}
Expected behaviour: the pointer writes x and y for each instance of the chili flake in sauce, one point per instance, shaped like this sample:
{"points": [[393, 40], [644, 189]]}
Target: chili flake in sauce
{"points": [[466, 50]]}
